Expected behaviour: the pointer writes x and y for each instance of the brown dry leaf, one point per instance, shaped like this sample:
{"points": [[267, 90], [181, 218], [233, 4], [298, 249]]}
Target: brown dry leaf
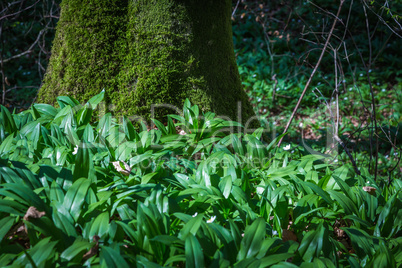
{"points": [[94, 250], [288, 235], [339, 232], [125, 171], [34, 213], [369, 189]]}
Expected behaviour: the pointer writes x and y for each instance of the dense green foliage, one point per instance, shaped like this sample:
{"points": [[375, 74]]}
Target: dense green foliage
{"points": [[277, 45], [79, 187], [78, 192]]}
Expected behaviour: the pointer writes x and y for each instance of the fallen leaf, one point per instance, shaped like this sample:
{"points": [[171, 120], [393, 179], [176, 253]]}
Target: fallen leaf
{"points": [[288, 235], [125, 171], [369, 189], [94, 250], [34, 213]]}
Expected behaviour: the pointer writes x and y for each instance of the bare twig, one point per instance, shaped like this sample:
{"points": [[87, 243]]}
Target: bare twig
{"points": [[19, 11], [348, 153], [313, 72], [383, 21], [374, 114], [3, 96], [274, 88], [234, 11], [29, 50]]}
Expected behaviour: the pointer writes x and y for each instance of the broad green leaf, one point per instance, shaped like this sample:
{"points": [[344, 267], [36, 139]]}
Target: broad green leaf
{"points": [[319, 191], [225, 185], [75, 197], [79, 247], [160, 126], [83, 161], [361, 241], [84, 115], [7, 120], [46, 110], [191, 226], [26, 194], [347, 204], [67, 101], [251, 243], [100, 225], [313, 243], [143, 262], [274, 259], [63, 223], [5, 225], [111, 258], [12, 207], [193, 252], [95, 100]]}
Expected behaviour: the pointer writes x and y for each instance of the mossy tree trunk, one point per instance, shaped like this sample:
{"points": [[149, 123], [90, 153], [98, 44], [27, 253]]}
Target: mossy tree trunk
{"points": [[147, 52]]}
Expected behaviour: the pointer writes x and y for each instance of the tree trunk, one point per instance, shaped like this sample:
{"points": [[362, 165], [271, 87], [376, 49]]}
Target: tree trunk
{"points": [[145, 53]]}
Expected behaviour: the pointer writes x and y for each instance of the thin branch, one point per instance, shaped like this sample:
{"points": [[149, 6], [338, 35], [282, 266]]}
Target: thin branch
{"points": [[374, 113], [19, 11], [313, 73], [30, 49], [234, 11], [348, 153], [383, 21], [3, 97]]}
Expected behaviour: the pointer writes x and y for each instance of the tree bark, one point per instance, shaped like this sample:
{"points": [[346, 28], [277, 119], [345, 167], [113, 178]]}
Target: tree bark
{"points": [[146, 53]]}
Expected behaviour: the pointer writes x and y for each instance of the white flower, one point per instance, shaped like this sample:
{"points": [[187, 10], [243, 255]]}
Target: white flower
{"points": [[211, 220], [378, 83], [182, 132], [370, 71], [274, 232], [287, 147], [350, 89], [345, 98], [75, 150], [195, 214], [361, 74], [386, 156], [126, 171], [300, 125], [383, 90], [254, 75]]}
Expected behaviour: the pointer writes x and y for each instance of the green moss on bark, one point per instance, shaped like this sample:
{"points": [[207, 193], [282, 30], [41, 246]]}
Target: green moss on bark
{"points": [[146, 53]]}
